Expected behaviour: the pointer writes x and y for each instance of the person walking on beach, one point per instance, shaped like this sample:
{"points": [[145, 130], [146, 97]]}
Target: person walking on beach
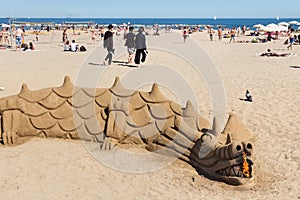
{"points": [[232, 35], [130, 44], [65, 36], [108, 44], [19, 37], [93, 36], [141, 47], [244, 30], [211, 33], [1, 36], [239, 30], [185, 34], [220, 33], [291, 39], [102, 33]]}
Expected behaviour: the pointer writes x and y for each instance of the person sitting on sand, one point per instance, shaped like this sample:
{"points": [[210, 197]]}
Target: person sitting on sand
{"points": [[269, 53], [31, 47], [74, 46], [67, 46]]}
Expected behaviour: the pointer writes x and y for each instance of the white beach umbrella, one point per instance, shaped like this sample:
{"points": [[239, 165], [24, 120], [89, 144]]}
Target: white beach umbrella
{"points": [[284, 24], [271, 28], [272, 25], [283, 28], [259, 26], [274, 28], [294, 23]]}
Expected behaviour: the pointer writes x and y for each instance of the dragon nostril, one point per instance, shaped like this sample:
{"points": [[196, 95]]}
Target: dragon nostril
{"points": [[238, 147], [249, 146]]}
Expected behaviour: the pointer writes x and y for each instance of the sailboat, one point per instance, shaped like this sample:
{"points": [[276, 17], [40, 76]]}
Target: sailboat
{"points": [[277, 18], [215, 17]]}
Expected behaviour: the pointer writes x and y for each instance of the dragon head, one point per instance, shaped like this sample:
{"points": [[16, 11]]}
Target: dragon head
{"points": [[225, 157]]}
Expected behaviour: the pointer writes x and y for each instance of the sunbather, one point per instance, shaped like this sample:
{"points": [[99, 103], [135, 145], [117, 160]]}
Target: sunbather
{"points": [[269, 53]]}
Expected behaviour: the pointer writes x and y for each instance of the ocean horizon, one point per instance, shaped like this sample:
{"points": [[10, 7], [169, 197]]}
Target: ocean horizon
{"points": [[226, 22]]}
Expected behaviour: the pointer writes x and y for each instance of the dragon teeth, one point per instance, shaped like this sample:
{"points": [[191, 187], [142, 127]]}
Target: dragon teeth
{"points": [[232, 171], [235, 171], [227, 170], [240, 173], [223, 172]]}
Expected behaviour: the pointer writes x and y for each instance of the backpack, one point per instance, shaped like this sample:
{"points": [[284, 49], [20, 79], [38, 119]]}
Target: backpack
{"points": [[82, 49]]}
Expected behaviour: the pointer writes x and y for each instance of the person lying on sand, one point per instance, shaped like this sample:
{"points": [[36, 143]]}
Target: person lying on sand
{"points": [[269, 53], [29, 47]]}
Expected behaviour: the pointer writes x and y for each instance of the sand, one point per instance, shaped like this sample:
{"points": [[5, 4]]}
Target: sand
{"points": [[63, 169]]}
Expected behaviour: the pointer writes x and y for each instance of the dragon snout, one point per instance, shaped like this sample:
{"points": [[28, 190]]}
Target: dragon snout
{"points": [[234, 150]]}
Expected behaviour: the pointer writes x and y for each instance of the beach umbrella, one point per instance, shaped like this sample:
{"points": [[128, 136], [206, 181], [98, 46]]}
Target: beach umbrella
{"points": [[283, 28], [274, 28], [294, 23], [272, 25], [259, 26], [284, 24], [271, 28]]}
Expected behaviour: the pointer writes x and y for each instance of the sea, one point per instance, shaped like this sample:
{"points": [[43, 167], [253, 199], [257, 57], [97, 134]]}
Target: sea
{"points": [[228, 22]]}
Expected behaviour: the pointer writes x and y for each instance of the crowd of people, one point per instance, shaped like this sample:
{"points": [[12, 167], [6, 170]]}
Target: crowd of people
{"points": [[135, 41], [221, 33], [18, 35]]}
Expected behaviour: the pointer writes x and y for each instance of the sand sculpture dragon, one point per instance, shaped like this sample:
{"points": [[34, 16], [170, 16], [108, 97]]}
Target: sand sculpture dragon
{"points": [[117, 116]]}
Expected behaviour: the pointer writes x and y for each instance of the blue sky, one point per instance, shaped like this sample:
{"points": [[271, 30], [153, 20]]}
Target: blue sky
{"points": [[151, 8]]}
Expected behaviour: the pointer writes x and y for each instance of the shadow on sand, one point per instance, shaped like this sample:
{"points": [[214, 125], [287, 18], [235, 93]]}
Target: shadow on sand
{"points": [[245, 100], [125, 64], [120, 63], [295, 67]]}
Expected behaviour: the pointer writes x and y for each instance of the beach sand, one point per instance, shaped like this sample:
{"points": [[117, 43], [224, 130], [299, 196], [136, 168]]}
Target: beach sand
{"points": [[64, 169]]}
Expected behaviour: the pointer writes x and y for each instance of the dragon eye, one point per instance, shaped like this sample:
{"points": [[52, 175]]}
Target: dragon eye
{"points": [[238, 147], [249, 146]]}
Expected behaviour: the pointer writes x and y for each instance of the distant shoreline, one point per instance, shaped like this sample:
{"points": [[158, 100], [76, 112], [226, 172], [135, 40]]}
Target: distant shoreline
{"points": [[226, 22]]}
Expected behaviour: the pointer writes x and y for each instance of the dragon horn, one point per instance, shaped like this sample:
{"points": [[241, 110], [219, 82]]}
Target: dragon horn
{"points": [[216, 128]]}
